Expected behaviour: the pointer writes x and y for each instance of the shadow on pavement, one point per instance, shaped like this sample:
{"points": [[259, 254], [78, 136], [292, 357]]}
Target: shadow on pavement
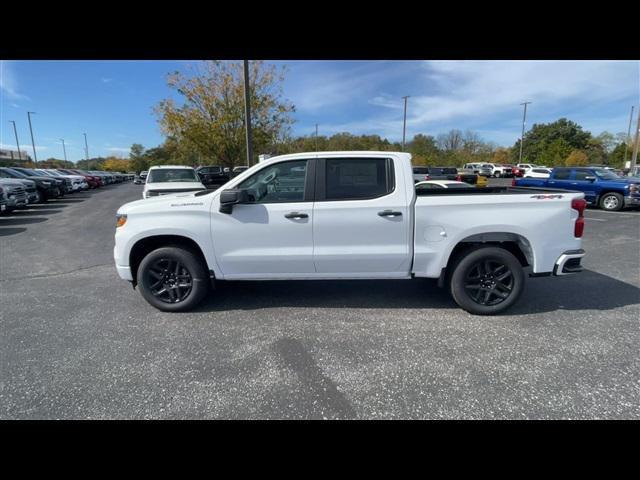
{"points": [[21, 221], [39, 211], [5, 232], [585, 291]]}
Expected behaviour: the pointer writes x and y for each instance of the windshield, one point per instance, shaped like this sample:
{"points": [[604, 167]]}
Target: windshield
{"points": [[28, 171], [172, 175], [606, 174], [15, 173]]}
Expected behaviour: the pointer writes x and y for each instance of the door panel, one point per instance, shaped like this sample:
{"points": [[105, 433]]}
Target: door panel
{"points": [[273, 236], [360, 235]]}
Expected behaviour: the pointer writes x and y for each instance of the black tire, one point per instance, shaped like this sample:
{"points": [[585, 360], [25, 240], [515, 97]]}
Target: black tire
{"points": [[496, 272], [178, 298], [611, 202]]}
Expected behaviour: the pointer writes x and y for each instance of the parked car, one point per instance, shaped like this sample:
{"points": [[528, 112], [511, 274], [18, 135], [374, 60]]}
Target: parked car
{"points": [[29, 185], [468, 176], [238, 170], [212, 176], [46, 187], [351, 215], [483, 169], [498, 170], [4, 201], [538, 173], [143, 175], [16, 194], [440, 185], [72, 183], [170, 179], [516, 171], [600, 187]]}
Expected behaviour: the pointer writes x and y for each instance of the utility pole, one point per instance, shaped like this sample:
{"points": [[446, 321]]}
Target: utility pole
{"points": [[247, 112], [316, 137], [634, 157], [404, 123], [64, 150], [33, 144], [86, 150], [524, 121], [626, 145], [17, 142]]}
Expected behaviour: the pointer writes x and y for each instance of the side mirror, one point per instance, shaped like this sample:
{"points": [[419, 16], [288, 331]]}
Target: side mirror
{"points": [[231, 197], [590, 179]]}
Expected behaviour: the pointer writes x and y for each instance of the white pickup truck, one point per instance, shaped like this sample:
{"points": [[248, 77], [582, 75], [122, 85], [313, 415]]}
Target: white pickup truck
{"points": [[348, 215]]}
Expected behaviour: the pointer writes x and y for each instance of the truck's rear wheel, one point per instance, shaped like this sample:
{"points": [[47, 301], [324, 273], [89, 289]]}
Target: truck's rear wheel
{"points": [[612, 201], [172, 279], [487, 281]]}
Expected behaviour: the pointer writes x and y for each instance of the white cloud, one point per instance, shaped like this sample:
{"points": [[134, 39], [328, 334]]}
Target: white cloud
{"points": [[23, 148], [119, 149], [9, 82], [106, 80], [485, 96]]}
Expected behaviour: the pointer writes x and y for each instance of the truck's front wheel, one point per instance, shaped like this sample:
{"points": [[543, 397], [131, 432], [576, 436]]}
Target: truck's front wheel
{"points": [[172, 279], [612, 201], [487, 281]]}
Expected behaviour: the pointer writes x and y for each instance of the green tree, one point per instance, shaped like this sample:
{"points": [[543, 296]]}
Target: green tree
{"points": [[210, 120], [577, 158], [553, 136], [137, 158]]}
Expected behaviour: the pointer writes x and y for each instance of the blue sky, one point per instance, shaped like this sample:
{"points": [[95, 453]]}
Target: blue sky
{"points": [[112, 101]]}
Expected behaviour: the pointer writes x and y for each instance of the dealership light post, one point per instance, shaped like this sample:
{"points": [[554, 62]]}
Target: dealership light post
{"points": [[626, 144], [86, 150], [33, 144], [634, 157], [15, 131], [404, 123], [64, 150], [316, 137], [524, 121], [247, 112]]}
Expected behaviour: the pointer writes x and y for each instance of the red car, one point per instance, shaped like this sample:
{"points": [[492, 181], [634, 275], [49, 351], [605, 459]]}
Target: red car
{"points": [[517, 172], [93, 180]]}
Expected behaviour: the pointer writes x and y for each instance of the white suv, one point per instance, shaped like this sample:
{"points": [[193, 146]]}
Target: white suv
{"points": [[169, 179]]}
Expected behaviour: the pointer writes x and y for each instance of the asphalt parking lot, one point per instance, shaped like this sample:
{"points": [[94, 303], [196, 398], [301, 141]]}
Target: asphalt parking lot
{"points": [[78, 342]]}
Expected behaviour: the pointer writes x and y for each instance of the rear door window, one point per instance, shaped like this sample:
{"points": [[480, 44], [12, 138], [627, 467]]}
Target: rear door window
{"points": [[358, 178], [562, 174]]}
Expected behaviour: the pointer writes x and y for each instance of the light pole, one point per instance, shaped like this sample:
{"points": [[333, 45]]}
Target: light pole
{"points": [[86, 149], [64, 150], [404, 123], [524, 120], [634, 156], [316, 137], [247, 112], [17, 142], [626, 145], [33, 144]]}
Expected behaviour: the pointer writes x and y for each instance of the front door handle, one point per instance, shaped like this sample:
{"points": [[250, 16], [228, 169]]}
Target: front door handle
{"points": [[296, 215], [390, 213]]}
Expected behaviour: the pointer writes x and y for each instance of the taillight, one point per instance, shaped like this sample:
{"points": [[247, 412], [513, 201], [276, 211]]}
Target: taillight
{"points": [[458, 178], [579, 204], [427, 177], [513, 182]]}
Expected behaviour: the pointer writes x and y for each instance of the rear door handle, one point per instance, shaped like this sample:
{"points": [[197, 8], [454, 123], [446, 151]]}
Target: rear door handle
{"points": [[390, 213], [296, 215]]}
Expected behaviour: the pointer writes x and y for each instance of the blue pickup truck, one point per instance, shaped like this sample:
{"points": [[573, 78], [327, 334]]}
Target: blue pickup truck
{"points": [[601, 187]]}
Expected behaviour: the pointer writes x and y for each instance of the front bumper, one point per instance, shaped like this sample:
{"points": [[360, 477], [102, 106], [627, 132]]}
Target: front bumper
{"points": [[569, 263]]}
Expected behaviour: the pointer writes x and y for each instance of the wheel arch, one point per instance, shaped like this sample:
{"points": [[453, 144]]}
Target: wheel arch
{"points": [[514, 243], [145, 245]]}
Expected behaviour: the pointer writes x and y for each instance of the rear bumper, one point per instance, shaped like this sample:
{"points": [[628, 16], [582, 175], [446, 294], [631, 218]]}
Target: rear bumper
{"points": [[631, 201], [569, 263]]}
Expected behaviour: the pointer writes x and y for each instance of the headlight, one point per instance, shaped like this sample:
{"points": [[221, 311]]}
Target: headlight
{"points": [[44, 182], [633, 187], [121, 219]]}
